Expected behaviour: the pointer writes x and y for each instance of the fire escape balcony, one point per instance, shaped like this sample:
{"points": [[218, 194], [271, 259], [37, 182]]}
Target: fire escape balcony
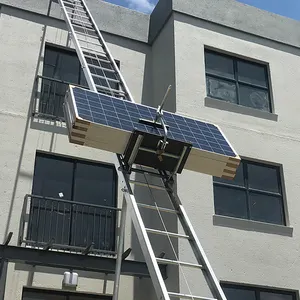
{"points": [[50, 223]]}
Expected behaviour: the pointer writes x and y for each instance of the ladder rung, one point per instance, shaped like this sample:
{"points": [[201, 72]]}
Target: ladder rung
{"points": [[181, 263], [73, 5], [81, 22], [76, 15], [89, 42], [168, 210], [91, 51], [85, 28], [177, 235], [74, 2], [101, 68], [153, 186], [105, 78], [87, 35], [186, 296], [110, 90], [78, 9], [98, 57]]}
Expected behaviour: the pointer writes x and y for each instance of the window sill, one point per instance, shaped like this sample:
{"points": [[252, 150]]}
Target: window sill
{"points": [[250, 225], [223, 105]]}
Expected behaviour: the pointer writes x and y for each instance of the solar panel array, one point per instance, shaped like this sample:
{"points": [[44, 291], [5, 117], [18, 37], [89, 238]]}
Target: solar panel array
{"points": [[125, 115]]}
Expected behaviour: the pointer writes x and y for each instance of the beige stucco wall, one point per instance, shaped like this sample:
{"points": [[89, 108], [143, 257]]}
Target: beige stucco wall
{"points": [[22, 41], [239, 255]]}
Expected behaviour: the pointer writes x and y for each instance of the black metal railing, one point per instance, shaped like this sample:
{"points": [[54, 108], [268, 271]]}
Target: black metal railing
{"points": [[50, 93], [68, 225]]}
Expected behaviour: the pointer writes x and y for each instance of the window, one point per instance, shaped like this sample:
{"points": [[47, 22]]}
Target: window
{"points": [[41, 294], [61, 67], [237, 292], [72, 203], [254, 194], [237, 81]]}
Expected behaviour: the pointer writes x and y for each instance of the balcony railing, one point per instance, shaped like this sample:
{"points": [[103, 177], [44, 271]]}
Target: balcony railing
{"points": [[68, 225], [49, 98]]}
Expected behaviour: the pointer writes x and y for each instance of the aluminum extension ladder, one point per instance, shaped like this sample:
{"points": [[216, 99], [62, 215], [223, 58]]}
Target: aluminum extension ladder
{"points": [[103, 76]]}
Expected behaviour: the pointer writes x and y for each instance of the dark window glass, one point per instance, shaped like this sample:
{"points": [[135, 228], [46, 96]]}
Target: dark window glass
{"points": [[68, 205], [266, 208], [275, 296], [60, 66], [237, 81], [263, 177], [219, 65], [237, 292], [230, 202], [255, 193], [252, 73]]}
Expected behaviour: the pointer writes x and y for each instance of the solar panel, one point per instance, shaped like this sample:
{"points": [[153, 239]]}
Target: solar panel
{"points": [[124, 116]]}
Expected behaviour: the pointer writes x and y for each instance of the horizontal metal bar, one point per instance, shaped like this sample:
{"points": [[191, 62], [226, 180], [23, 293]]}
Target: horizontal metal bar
{"points": [[168, 210], [105, 78], [81, 22], [164, 154], [84, 28], [101, 68], [59, 81], [96, 58], [75, 6], [136, 170], [74, 261], [243, 188], [186, 296], [72, 202], [233, 80], [93, 51], [78, 9], [89, 42], [176, 262], [110, 90], [87, 35], [153, 186], [80, 16], [41, 245], [172, 234]]}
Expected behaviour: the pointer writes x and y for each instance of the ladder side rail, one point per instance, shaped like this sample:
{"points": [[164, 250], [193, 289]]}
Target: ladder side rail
{"points": [[109, 55], [154, 271], [210, 276], [120, 251], [83, 62]]}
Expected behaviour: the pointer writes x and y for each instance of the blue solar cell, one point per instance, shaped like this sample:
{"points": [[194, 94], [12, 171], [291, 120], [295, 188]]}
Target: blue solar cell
{"points": [[107, 110]]}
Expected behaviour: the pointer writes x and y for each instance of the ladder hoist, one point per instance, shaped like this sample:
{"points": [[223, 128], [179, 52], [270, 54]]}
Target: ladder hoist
{"points": [[103, 76]]}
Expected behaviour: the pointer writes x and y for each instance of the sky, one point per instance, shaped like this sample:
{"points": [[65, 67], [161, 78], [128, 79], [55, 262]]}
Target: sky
{"points": [[287, 8]]}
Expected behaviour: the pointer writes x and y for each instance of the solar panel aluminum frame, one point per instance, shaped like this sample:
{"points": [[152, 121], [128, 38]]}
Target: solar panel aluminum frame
{"points": [[86, 132]]}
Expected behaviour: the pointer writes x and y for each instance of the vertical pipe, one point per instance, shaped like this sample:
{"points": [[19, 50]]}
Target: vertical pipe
{"points": [[3, 274], [120, 251]]}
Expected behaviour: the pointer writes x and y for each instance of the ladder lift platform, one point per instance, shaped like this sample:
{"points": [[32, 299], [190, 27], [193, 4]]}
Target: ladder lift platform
{"points": [[142, 150], [105, 117]]}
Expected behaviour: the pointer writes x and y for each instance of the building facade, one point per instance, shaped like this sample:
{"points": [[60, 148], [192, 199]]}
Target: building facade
{"points": [[227, 63]]}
